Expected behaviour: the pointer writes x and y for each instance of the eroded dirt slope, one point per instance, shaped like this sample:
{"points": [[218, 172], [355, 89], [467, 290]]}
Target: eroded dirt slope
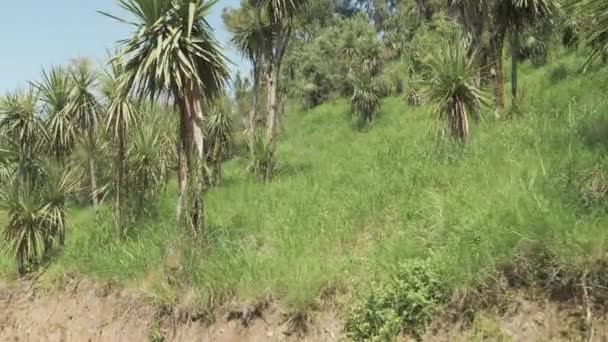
{"points": [[82, 311]]}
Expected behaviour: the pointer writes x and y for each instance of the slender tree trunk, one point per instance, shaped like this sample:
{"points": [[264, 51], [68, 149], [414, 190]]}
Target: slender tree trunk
{"points": [[514, 62], [120, 173], [183, 151], [253, 114], [271, 78], [497, 43], [93, 174]]}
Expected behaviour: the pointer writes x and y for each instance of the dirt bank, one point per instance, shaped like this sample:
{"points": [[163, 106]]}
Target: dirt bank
{"points": [[82, 311]]}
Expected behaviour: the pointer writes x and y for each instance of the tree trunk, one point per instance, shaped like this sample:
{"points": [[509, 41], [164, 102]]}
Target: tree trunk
{"points": [[514, 62], [194, 105], [93, 175], [253, 114], [496, 46], [271, 78], [120, 171], [183, 151]]}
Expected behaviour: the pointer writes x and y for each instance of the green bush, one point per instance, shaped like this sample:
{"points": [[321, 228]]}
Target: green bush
{"points": [[405, 304]]}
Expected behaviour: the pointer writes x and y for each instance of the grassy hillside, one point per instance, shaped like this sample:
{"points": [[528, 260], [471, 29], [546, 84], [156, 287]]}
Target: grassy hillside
{"points": [[348, 206]]}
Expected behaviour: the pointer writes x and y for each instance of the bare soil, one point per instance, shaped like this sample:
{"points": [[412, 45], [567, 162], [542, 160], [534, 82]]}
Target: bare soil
{"points": [[83, 311]]}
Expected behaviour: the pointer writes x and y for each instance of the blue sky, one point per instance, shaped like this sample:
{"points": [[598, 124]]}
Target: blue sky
{"points": [[42, 33]]}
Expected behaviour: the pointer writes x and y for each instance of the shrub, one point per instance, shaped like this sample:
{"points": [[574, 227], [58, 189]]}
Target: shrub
{"points": [[559, 73], [405, 304]]}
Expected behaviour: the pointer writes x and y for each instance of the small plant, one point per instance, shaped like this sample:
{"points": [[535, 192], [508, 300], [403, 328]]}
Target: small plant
{"points": [[593, 188], [559, 73], [365, 101], [412, 97], [218, 143], [261, 161], [405, 304]]}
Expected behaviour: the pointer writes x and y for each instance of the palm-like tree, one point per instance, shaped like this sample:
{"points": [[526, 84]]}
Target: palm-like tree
{"points": [[147, 160], [596, 13], [24, 230], [276, 19], [22, 124], [173, 51], [84, 112], [248, 37], [365, 101], [58, 184], [55, 89], [121, 116], [219, 135], [450, 85], [499, 17], [36, 213], [515, 15]]}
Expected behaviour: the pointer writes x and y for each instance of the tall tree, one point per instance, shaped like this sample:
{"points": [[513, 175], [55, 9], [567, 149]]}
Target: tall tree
{"points": [[172, 51], [247, 36], [121, 116], [278, 17], [515, 15], [84, 112]]}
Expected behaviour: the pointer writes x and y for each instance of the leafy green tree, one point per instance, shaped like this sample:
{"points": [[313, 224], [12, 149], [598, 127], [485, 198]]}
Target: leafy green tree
{"points": [[173, 52]]}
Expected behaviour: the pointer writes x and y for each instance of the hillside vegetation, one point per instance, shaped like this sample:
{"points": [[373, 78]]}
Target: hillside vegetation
{"points": [[348, 207]]}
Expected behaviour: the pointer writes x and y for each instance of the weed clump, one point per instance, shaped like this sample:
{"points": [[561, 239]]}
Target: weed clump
{"points": [[405, 304]]}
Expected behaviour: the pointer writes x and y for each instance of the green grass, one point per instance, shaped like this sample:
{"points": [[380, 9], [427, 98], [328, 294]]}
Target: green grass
{"points": [[349, 205]]}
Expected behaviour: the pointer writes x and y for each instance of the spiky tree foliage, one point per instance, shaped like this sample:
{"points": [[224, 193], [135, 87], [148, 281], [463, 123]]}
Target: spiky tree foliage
{"points": [[8, 158], [261, 162], [219, 136], [84, 112], [25, 229], [248, 37], [365, 101], [450, 86], [147, 160], [59, 183], [120, 117], [55, 89], [172, 51], [22, 124], [595, 13], [36, 213]]}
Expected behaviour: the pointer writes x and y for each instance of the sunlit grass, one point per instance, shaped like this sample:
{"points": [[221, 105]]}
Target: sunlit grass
{"points": [[348, 205]]}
